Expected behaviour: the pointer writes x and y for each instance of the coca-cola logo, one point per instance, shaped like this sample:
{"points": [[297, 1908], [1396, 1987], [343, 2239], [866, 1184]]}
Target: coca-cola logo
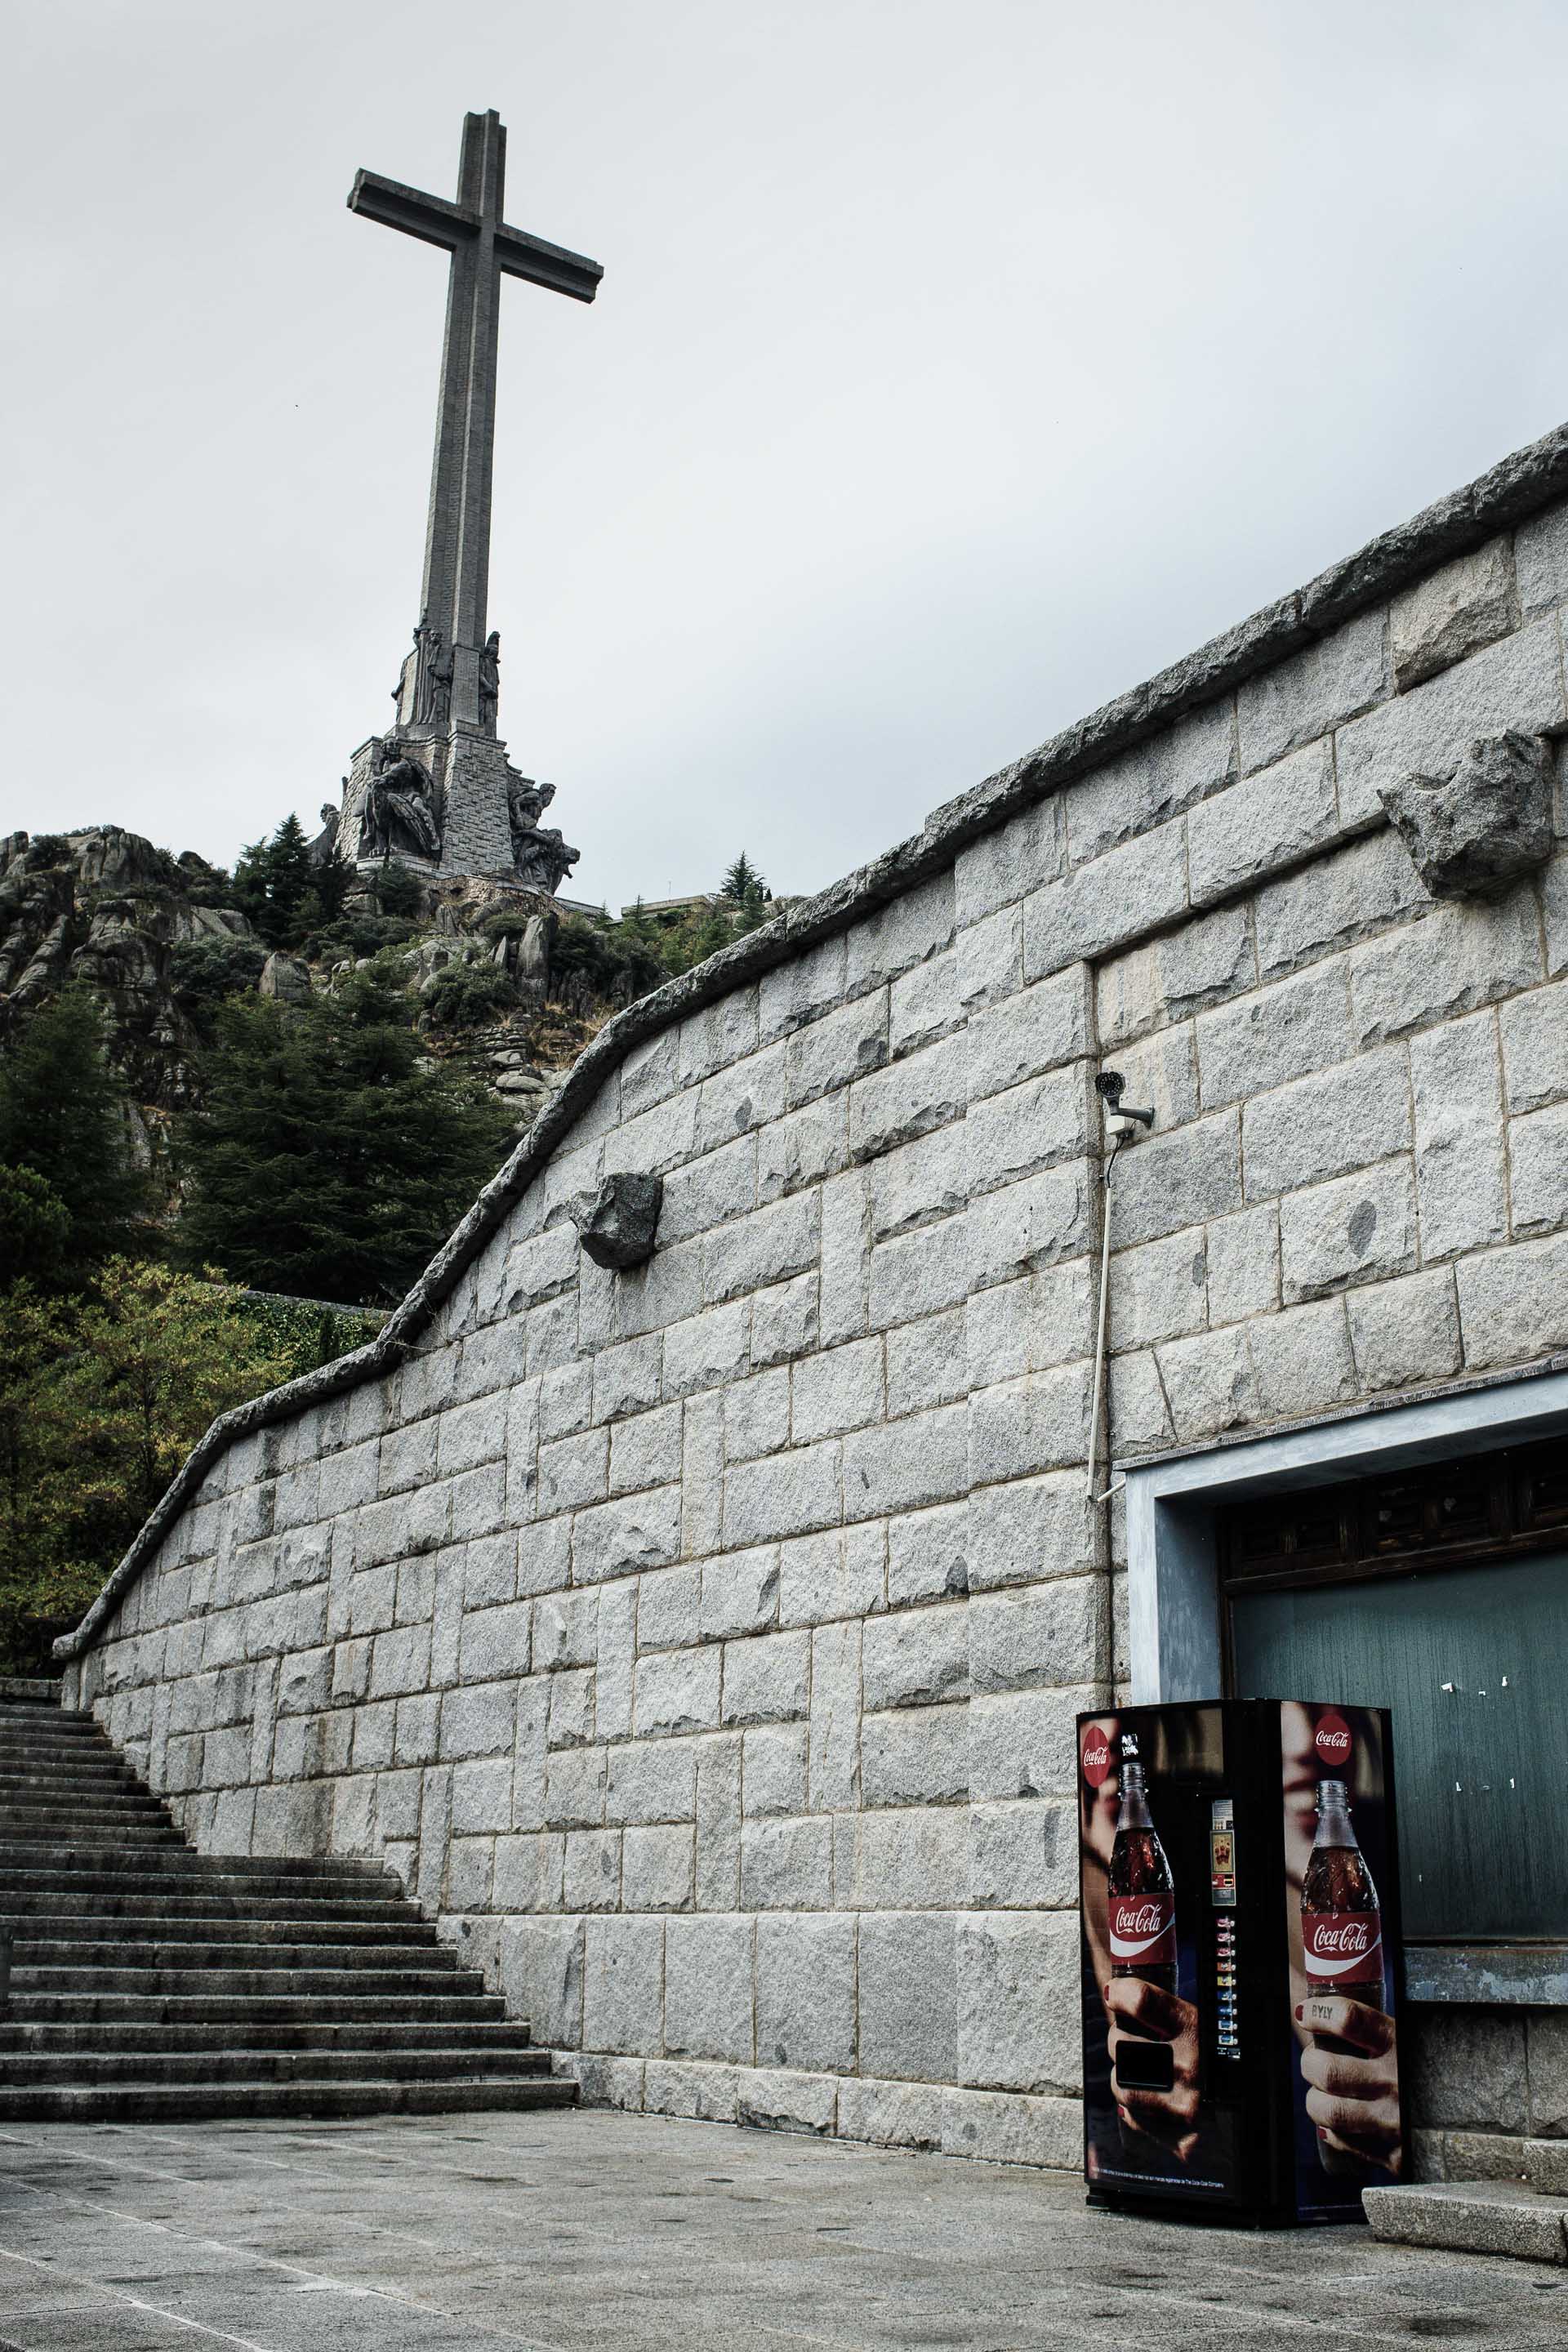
{"points": [[1332, 1739], [1094, 1754], [1343, 1948], [1139, 1918]]}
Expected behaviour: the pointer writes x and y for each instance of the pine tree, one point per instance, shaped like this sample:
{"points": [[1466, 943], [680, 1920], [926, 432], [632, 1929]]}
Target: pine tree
{"points": [[744, 883], [285, 894], [62, 1115], [329, 1160]]}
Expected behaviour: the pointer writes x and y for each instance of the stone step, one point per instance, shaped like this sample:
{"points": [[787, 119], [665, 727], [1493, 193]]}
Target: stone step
{"points": [[1472, 2217], [389, 1983], [149, 1903], [128, 2103], [115, 2035], [247, 2063], [17, 1709], [33, 1932], [199, 1885], [244, 2012], [29, 1688], [20, 1863], [232, 1947], [48, 1807], [28, 1770]]}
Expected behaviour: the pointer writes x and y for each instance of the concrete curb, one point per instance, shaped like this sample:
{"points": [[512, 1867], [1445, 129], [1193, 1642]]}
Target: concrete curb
{"points": [[1472, 2217]]}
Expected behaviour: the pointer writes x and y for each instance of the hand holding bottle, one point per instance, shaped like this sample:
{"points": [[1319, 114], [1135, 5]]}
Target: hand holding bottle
{"points": [[1144, 2012], [1351, 2068]]}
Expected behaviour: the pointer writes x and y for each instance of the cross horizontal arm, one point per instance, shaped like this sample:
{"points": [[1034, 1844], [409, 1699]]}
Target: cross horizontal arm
{"points": [[522, 255], [395, 206]]}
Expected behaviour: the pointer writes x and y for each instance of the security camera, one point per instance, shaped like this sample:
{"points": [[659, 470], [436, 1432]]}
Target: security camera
{"points": [[1124, 1118]]}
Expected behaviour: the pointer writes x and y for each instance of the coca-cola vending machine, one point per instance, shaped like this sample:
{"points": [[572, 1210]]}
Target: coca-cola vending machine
{"points": [[1240, 1909]]}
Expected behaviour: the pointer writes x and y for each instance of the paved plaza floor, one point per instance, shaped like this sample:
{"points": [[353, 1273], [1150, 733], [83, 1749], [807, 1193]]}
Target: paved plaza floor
{"points": [[594, 2230]]}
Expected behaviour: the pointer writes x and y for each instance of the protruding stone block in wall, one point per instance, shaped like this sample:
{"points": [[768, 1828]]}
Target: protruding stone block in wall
{"points": [[1472, 832], [619, 1230]]}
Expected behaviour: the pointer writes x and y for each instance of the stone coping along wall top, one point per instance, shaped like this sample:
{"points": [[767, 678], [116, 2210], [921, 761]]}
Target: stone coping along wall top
{"points": [[1532, 478]]}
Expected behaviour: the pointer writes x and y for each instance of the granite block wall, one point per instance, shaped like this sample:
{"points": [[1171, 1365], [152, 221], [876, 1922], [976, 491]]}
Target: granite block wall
{"points": [[702, 1643]]}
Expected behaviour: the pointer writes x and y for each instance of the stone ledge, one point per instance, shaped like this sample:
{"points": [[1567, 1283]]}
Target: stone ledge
{"points": [[1472, 2217]]}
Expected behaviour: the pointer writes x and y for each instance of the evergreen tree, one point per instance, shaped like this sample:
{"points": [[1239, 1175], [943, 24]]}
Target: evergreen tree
{"points": [[35, 1229], [330, 1160], [285, 894], [62, 1115], [744, 883]]}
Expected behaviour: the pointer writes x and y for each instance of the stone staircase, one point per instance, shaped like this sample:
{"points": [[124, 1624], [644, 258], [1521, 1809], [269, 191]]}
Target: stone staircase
{"points": [[149, 1982]]}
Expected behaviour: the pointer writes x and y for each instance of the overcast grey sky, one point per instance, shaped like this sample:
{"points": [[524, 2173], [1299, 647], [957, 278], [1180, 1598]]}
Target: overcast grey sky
{"points": [[957, 364]]}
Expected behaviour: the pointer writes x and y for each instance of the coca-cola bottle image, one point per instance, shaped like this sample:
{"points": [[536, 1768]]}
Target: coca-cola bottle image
{"points": [[1141, 1891], [1342, 1931]]}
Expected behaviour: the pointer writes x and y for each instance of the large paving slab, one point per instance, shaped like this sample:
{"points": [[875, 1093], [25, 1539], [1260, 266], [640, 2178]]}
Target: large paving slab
{"points": [[596, 2230]]}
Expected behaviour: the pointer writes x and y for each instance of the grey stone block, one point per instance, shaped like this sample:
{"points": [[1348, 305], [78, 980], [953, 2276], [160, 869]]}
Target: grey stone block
{"points": [[651, 1781], [1472, 829], [1517, 684], [717, 1871], [708, 1988], [909, 2023], [1344, 897], [1537, 1161], [917, 1756], [1032, 1529], [833, 1575], [1167, 1182], [918, 1182], [786, 1866], [904, 1464], [678, 1690], [1049, 1634], [1157, 1292], [786, 1495], [1452, 613], [656, 1868], [916, 1658], [1024, 1856], [768, 1679], [802, 1150], [843, 1045], [1032, 1324], [591, 1873], [1302, 1360], [1513, 1303], [621, 1538], [1455, 958], [1540, 559], [990, 959], [765, 1247], [1534, 1029], [574, 1789], [1019, 2002], [1178, 766], [922, 1092], [1275, 1034], [571, 1708], [784, 1320], [1023, 1426], [623, 1985], [1024, 1744], [890, 2114], [1009, 1136], [773, 2099], [1010, 859], [927, 1556], [1269, 823], [923, 1005], [1407, 1333], [914, 1858], [927, 1362], [1359, 1229], [805, 1991], [774, 1773], [918, 1274], [839, 1390], [832, 1755], [1029, 1034], [708, 2094], [1319, 687], [1210, 958], [1004, 2127], [1101, 906], [542, 1976], [1471, 2217], [756, 1416], [706, 1350], [1456, 1082], [740, 1592], [1327, 1125], [495, 1642]]}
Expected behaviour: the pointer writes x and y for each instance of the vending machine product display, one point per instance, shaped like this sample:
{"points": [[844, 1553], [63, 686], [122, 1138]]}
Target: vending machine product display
{"points": [[1240, 1907]]}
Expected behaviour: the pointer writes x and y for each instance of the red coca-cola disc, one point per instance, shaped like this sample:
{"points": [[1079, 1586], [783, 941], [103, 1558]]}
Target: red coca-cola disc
{"points": [[1094, 1754], [1332, 1741]]}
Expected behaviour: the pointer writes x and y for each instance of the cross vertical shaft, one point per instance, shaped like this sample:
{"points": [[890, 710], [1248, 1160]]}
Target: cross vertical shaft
{"points": [[483, 250]]}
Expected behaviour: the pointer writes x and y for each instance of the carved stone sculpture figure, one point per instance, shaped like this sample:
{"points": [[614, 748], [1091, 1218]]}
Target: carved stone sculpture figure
{"points": [[541, 856], [490, 679], [398, 811], [325, 843]]}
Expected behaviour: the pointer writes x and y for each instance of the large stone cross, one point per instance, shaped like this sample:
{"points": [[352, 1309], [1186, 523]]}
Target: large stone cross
{"points": [[483, 251]]}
